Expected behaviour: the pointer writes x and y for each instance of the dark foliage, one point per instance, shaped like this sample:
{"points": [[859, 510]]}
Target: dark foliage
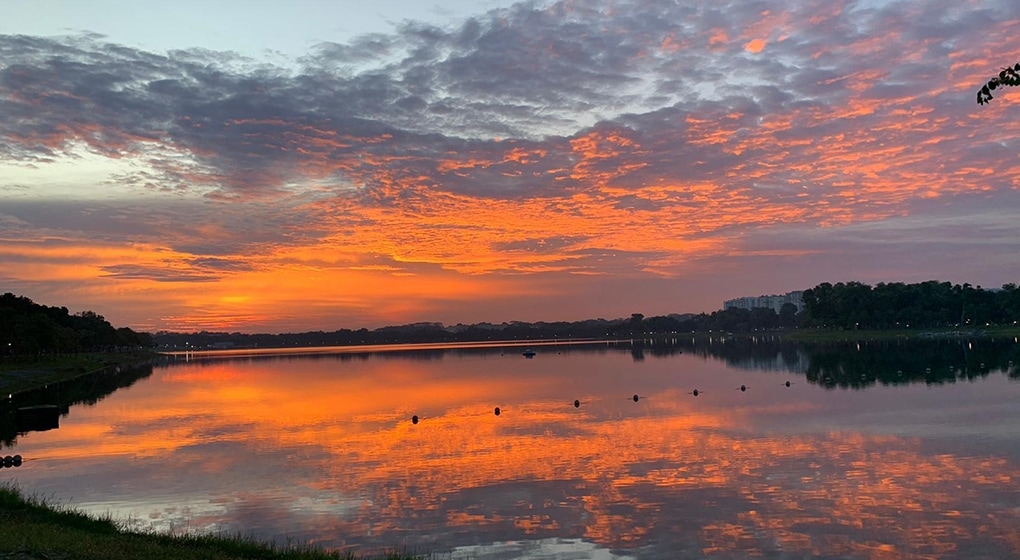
{"points": [[86, 389], [30, 329], [1009, 76], [850, 305], [931, 304], [857, 364]]}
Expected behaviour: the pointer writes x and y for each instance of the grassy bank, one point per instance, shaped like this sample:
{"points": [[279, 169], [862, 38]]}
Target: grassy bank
{"points": [[17, 375], [30, 528]]}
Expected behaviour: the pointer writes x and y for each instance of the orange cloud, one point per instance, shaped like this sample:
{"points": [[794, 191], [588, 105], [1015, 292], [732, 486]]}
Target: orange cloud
{"points": [[718, 38], [755, 45], [632, 153]]}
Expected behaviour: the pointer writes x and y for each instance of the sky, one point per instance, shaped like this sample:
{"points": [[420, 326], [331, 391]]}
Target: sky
{"points": [[315, 165]]}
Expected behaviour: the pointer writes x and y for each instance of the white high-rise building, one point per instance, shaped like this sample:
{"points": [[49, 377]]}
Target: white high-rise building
{"points": [[773, 302]]}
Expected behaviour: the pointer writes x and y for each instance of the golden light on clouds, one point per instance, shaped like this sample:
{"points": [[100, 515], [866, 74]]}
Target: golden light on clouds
{"points": [[567, 153], [755, 45]]}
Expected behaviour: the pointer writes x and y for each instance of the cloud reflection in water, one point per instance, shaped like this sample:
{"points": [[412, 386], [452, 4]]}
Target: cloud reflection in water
{"points": [[324, 451]]}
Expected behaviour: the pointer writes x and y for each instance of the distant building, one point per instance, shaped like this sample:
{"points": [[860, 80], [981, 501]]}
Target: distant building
{"points": [[773, 302]]}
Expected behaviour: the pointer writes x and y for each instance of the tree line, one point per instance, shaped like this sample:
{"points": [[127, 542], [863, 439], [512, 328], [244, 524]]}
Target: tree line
{"points": [[28, 329], [854, 305], [932, 304], [850, 305]]}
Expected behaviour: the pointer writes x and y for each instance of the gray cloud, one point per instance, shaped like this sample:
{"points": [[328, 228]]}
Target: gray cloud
{"points": [[386, 107], [203, 228], [157, 274], [845, 113]]}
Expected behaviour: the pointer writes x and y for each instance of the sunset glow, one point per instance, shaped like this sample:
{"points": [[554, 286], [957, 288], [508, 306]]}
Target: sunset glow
{"points": [[730, 472], [531, 161]]}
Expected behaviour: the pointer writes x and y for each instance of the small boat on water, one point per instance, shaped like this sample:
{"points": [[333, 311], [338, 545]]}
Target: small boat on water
{"points": [[38, 418], [529, 353]]}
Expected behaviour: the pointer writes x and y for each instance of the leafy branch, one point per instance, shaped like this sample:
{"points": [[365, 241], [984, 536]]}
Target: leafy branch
{"points": [[1007, 77]]}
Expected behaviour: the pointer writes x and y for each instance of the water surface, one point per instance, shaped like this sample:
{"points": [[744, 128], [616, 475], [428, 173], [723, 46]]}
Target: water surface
{"points": [[883, 450]]}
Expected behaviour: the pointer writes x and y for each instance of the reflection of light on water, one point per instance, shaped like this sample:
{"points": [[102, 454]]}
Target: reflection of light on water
{"points": [[195, 512], [542, 549], [324, 452]]}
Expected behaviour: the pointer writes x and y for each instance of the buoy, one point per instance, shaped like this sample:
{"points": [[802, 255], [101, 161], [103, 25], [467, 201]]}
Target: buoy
{"points": [[695, 392], [743, 388], [17, 460], [414, 419], [787, 383], [8, 461], [636, 397], [577, 403], [497, 411]]}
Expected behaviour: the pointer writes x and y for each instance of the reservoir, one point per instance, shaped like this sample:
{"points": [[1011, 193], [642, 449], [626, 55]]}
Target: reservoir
{"points": [[678, 448]]}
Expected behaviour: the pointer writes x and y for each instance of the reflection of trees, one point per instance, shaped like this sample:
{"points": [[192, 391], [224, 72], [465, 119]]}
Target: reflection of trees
{"points": [[87, 390], [638, 349], [852, 364], [764, 353], [858, 364], [846, 364], [673, 483]]}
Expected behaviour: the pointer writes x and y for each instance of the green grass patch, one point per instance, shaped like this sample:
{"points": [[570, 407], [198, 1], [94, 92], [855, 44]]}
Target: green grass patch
{"points": [[30, 526], [17, 375]]}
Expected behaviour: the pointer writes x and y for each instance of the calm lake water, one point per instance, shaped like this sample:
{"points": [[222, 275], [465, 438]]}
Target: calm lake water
{"points": [[874, 450]]}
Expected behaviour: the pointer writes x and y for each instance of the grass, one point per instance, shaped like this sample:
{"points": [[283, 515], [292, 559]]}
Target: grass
{"points": [[31, 528], [18, 375]]}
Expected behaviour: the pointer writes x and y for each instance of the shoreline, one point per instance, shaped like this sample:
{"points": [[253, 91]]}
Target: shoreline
{"points": [[35, 529], [19, 376], [833, 335]]}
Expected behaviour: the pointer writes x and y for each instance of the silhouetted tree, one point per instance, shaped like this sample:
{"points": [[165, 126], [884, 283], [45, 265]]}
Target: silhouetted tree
{"points": [[788, 315], [1008, 76], [28, 329], [927, 304], [846, 305]]}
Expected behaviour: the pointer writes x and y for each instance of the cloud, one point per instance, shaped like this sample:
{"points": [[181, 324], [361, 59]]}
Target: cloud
{"points": [[523, 140], [154, 274], [549, 78]]}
